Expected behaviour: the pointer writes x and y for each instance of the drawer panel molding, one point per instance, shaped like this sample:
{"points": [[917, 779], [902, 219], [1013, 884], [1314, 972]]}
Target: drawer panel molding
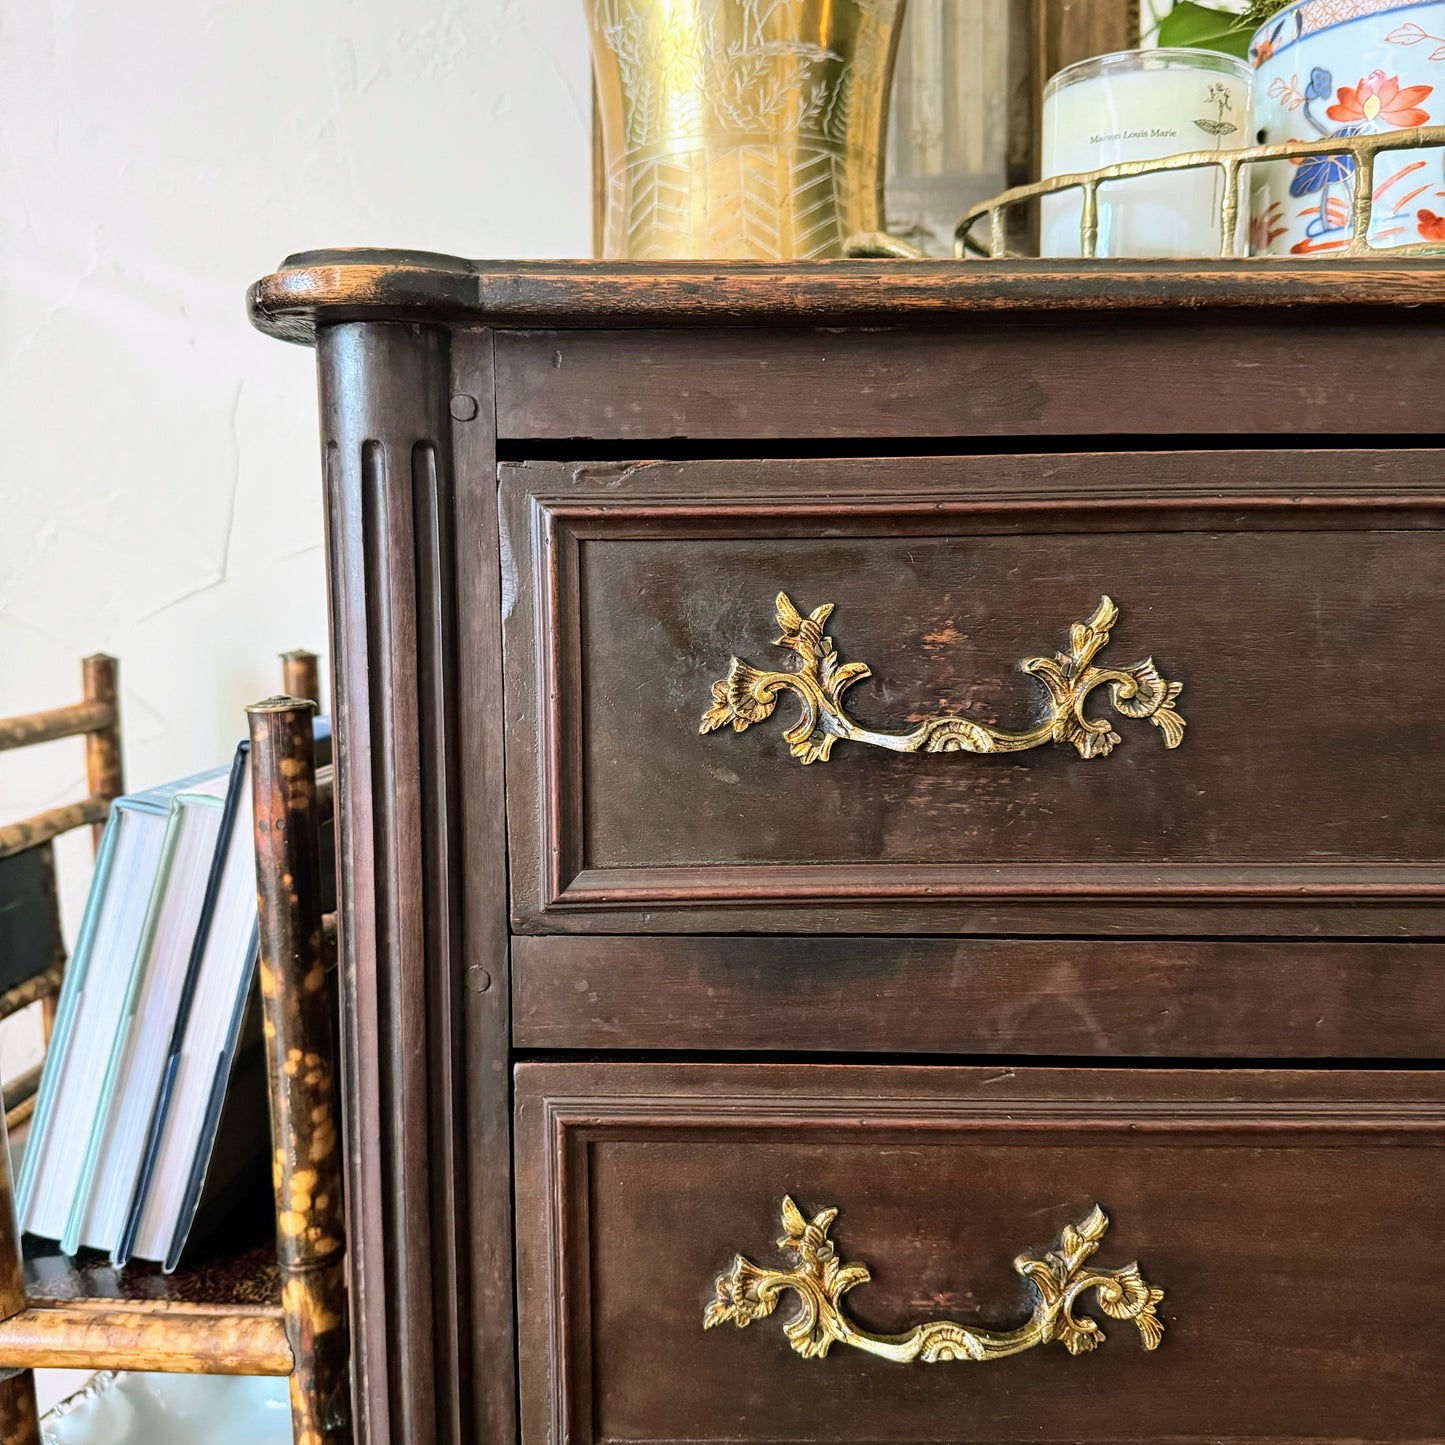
{"points": [[1278, 1211], [627, 587], [1058, 1278]]}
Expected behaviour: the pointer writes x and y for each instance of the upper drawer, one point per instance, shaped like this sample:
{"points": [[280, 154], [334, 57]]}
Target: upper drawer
{"points": [[999, 764], [1181, 371]]}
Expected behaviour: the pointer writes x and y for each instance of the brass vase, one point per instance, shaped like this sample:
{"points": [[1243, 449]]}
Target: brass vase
{"points": [[742, 129]]}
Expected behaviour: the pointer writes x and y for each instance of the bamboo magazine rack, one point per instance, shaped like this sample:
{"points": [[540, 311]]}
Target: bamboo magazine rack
{"points": [[248, 1307]]}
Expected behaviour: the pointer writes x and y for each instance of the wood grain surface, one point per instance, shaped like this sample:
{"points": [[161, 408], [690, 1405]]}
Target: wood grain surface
{"points": [[1096, 998], [301, 1070], [948, 453], [987, 375], [414, 574], [318, 288], [636, 585], [1287, 1217]]}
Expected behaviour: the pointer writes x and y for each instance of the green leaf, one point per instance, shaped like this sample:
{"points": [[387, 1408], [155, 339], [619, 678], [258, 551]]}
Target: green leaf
{"points": [[1197, 27]]}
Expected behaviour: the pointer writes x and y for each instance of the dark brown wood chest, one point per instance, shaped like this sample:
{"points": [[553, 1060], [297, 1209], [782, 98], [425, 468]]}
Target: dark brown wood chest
{"points": [[854, 780]]}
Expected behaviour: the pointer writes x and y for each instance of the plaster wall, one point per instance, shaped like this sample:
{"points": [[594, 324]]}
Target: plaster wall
{"points": [[159, 483]]}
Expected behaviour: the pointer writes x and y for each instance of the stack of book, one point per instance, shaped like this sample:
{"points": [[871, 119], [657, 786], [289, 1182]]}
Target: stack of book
{"points": [[152, 1099]]}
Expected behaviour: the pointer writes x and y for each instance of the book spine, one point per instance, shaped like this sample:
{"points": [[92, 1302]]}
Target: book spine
{"points": [[75, 1224], [160, 1112], [219, 1084], [70, 992]]}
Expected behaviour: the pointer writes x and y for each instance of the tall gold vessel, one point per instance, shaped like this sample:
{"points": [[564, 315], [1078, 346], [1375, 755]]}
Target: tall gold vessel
{"points": [[742, 129]]}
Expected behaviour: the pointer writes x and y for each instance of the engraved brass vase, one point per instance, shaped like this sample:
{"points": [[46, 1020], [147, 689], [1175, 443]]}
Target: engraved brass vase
{"points": [[742, 129]]}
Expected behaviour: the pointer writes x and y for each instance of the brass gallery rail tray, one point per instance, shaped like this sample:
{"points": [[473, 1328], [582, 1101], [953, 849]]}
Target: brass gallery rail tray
{"points": [[1362, 150]]}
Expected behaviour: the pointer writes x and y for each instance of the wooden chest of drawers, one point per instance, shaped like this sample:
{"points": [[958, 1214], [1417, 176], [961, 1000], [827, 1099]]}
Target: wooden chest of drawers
{"points": [[871, 795]]}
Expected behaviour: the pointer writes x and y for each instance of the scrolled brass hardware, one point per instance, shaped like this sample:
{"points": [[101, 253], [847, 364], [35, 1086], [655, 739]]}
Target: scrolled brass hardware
{"points": [[747, 696], [1058, 1278]]}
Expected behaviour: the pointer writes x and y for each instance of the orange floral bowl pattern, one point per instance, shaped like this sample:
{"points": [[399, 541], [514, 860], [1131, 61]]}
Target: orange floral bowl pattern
{"points": [[1345, 68]]}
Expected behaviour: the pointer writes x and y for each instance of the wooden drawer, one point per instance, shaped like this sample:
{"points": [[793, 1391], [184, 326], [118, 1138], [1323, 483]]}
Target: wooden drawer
{"points": [[1298, 597], [1291, 1220]]}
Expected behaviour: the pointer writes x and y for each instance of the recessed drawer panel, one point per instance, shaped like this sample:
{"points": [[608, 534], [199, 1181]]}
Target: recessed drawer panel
{"points": [[1136, 693], [849, 1254]]}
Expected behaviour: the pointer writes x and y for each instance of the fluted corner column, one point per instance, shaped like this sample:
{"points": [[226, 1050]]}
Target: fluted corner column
{"points": [[413, 555]]}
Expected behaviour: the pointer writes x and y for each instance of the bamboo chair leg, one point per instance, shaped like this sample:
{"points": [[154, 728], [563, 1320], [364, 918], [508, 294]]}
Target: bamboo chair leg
{"points": [[103, 774], [19, 1416], [310, 1237], [301, 676]]}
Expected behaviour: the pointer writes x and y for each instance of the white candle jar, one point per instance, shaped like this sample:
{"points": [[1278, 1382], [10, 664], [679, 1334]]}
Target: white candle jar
{"points": [[1141, 105]]}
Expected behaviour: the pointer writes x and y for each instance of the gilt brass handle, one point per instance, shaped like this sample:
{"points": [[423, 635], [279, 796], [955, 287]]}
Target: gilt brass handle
{"points": [[746, 696], [1057, 1277]]}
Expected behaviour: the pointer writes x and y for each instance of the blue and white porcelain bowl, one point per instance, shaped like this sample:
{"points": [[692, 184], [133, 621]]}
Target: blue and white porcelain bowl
{"points": [[1343, 68]]}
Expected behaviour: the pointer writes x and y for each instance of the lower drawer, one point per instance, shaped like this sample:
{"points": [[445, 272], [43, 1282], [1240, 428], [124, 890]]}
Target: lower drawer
{"points": [[975, 1282]]}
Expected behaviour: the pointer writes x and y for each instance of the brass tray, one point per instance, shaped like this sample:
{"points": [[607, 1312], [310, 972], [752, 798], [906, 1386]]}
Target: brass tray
{"points": [[1233, 163]]}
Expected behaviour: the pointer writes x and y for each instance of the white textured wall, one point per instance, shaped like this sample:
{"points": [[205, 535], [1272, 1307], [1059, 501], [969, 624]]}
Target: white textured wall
{"points": [[159, 487], [159, 493]]}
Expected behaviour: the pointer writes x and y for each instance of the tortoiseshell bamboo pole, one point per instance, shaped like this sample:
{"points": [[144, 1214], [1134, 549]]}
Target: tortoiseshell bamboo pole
{"points": [[151, 1335], [27, 729], [103, 772], [301, 676], [300, 1056], [19, 1417]]}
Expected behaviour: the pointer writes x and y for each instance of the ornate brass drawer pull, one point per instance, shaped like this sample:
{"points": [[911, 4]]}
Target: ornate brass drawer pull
{"points": [[1058, 1277], [746, 696]]}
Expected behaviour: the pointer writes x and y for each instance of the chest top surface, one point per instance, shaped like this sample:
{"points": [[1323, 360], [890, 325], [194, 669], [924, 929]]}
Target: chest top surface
{"points": [[319, 287]]}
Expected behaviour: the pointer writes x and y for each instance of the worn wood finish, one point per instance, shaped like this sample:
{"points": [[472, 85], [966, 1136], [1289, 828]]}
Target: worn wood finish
{"points": [[1279, 1211], [414, 569], [45, 826], [1270, 890], [330, 287], [56, 722], [19, 1413], [104, 773], [1066, 31], [637, 584], [39, 986], [301, 1069], [383, 403], [983, 377], [221, 1312], [480, 1163], [97, 719], [19, 1417], [961, 996], [301, 676], [227, 1341], [19, 1096]]}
